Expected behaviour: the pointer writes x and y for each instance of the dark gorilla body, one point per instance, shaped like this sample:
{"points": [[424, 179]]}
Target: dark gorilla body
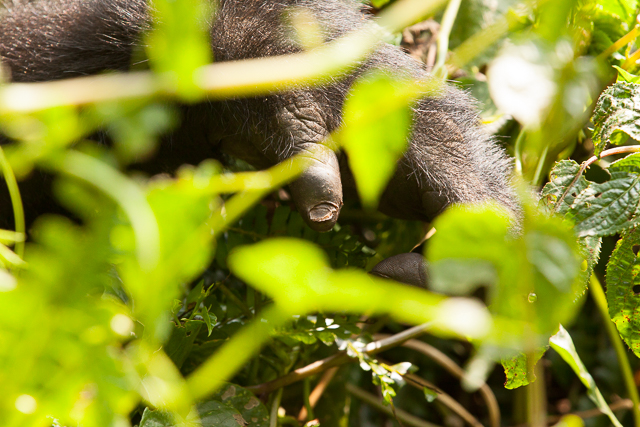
{"points": [[450, 159]]}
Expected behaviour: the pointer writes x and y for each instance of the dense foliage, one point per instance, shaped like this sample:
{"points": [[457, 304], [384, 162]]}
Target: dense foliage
{"points": [[202, 298]]}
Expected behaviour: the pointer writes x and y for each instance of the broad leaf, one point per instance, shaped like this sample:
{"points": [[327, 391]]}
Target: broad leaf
{"points": [[298, 277], [232, 406], [533, 277], [617, 115], [377, 118], [516, 369], [607, 208], [623, 285]]}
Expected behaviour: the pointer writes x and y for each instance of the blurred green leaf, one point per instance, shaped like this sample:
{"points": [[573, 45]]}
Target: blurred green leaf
{"points": [[297, 275], [542, 261], [179, 42], [377, 118], [563, 344]]}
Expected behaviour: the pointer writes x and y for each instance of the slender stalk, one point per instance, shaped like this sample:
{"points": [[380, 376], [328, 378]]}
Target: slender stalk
{"points": [[536, 400], [404, 417], [443, 36], [336, 360], [16, 201], [627, 38], [518, 147], [537, 177], [454, 369], [444, 398], [601, 302], [275, 405]]}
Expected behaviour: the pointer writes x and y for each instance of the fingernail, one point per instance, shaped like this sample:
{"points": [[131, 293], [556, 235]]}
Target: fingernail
{"points": [[323, 212]]}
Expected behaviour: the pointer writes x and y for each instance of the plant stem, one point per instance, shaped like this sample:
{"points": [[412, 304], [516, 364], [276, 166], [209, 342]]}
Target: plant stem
{"points": [[601, 302], [275, 405], [627, 38], [443, 36], [16, 201], [337, 360], [374, 402]]}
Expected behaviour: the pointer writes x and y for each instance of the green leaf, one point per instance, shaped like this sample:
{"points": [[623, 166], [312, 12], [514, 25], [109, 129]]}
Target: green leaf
{"points": [[622, 279], [517, 371], [430, 394], [563, 344], [625, 76], [607, 208], [625, 9], [297, 275], [210, 320], [617, 115], [232, 406], [244, 402], [181, 341], [377, 117], [560, 177], [532, 277], [179, 42]]}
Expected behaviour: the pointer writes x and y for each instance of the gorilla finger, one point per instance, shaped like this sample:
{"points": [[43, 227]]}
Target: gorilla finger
{"points": [[408, 268], [317, 193]]}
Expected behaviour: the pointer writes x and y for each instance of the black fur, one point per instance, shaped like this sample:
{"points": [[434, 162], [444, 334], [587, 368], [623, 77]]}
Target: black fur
{"points": [[450, 159]]}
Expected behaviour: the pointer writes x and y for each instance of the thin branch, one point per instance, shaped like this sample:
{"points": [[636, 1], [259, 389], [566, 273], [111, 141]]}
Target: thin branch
{"points": [[250, 77], [454, 369], [337, 359], [586, 164], [317, 393], [444, 398], [627, 38], [377, 404]]}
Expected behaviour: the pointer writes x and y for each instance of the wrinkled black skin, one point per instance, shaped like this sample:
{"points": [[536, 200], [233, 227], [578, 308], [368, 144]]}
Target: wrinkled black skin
{"points": [[450, 159]]}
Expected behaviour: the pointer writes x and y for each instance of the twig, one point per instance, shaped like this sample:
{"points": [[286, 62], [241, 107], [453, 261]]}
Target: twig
{"points": [[444, 398], [454, 369], [237, 301], [627, 38], [589, 162], [371, 400], [317, 393], [337, 360]]}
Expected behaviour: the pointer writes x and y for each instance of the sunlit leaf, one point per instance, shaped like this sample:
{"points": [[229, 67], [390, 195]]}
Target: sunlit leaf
{"points": [[517, 369], [563, 344], [623, 286], [297, 275], [610, 207], [617, 115], [179, 42]]}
